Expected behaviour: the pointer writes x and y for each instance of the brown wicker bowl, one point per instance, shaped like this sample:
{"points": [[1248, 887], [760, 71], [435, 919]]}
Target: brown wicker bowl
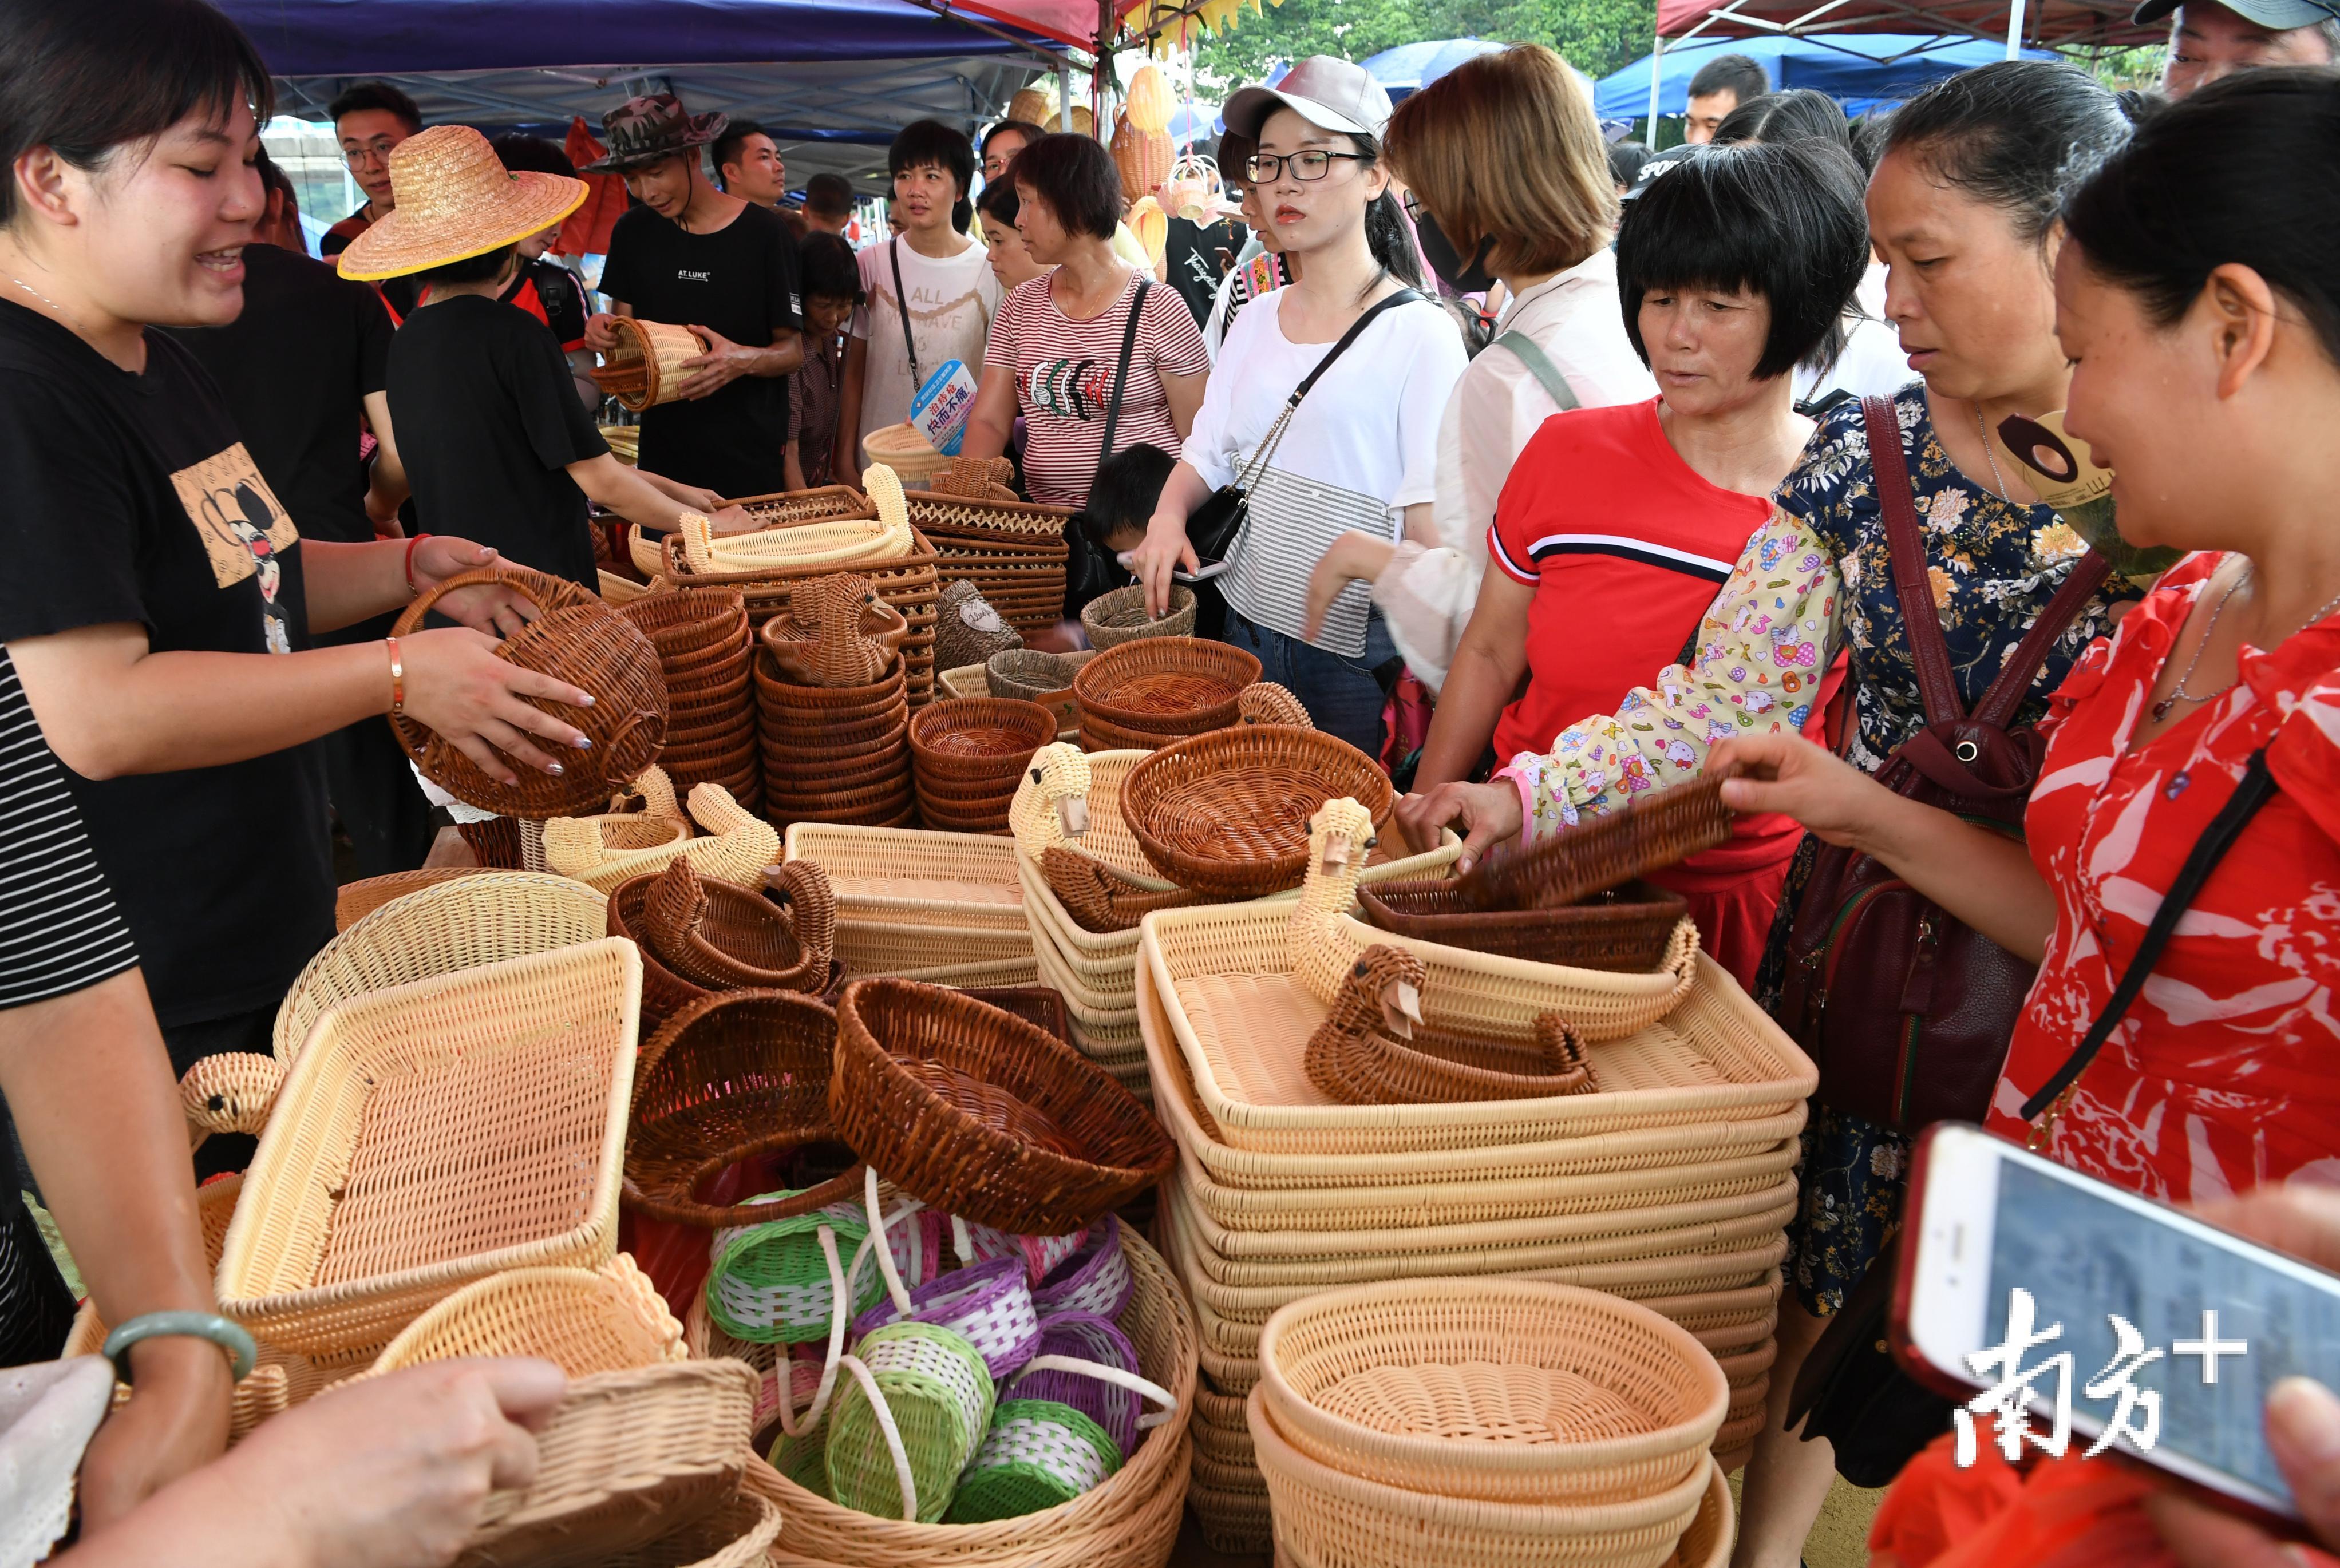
{"points": [[683, 622], [725, 938], [964, 816], [785, 756], [979, 1113], [894, 795], [577, 639], [821, 703], [978, 739], [1227, 813], [800, 778], [838, 731], [663, 990], [1627, 928], [1181, 685], [1104, 735], [1117, 617]]}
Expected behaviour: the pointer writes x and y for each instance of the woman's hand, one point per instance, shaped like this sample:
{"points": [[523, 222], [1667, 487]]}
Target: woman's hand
{"points": [[1164, 550], [176, 1422], [732, 521], [1355, 557], [457, 687], [1487, 814], [1787, 773], [496, 608]]}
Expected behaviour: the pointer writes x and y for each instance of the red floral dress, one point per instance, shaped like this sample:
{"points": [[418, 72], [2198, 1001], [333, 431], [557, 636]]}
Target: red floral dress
{"points": [[2224, 1075]]}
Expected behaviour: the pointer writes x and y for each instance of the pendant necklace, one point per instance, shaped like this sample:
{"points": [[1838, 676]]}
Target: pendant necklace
{"points": [[2178, 692], [1990, 457]]}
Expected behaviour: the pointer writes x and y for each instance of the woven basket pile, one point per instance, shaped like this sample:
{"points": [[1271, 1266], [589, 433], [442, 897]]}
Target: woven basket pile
{"points": [[945, 907], [1478, 1421], [1669, 1183], [833, 719], [969, 758], [704, 644], [1151, 691], [1014, 552]]}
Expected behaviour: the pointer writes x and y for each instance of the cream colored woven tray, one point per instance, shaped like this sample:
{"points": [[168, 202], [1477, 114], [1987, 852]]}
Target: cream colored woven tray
{"points": [[1242, 1021], [434, 1133], [910, 877], [867, 949], [1267, 1172]]}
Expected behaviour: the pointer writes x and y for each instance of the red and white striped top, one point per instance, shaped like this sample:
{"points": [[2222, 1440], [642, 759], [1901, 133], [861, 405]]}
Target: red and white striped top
{"points": [[1064, 379]]}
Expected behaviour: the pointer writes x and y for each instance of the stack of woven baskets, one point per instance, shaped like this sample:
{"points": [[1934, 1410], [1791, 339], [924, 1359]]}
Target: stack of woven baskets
{"points": [[700, 937], [704, 646], [834, 707], [944, 907], [1666, 1178], [1152, 690], [1014, 552], [968, 756], [1473, 1421]]}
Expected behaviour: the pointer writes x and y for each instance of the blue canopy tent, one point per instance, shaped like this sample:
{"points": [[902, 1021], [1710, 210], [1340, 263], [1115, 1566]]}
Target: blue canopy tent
{"points": [[1863, 71], [1410, 66]]}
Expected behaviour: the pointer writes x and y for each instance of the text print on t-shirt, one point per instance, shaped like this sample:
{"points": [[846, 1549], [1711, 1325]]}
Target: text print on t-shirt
{"points": [[244, 528]]}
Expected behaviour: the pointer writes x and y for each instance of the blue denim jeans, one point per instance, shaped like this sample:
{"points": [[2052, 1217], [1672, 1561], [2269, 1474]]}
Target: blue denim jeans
{"points": [[1340, 693]]}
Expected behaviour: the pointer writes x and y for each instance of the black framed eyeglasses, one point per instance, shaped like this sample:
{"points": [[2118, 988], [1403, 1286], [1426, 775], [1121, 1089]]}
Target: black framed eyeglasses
{"points": [[1313, 164]]}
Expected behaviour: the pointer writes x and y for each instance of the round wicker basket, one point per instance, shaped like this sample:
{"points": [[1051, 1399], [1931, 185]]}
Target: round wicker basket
{"points": [[1227, 813], [646, 367], [901, 449], [1114, 618]]}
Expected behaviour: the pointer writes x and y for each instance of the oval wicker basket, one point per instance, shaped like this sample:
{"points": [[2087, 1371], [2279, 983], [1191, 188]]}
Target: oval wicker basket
{"points": [[1510, 1390], [663, 992], [1027, 675], [585, 1320], [977, 1113], [1165, 685], [1114, 618], [903, 450], [1626, 929], [577, 639], [971, 740], [1227, 813], [723, 937], [645, 369], [821, 706], [681, 622]]}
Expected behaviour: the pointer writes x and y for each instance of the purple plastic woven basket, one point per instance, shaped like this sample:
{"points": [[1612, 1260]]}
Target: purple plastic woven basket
{"points": [[990, 1303], [1095, 1279], [1039, 1253], [1091, 1338]]}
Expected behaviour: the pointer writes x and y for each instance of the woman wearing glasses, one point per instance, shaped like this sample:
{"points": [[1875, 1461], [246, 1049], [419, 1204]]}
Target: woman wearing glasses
{"points": [[1360, 452]]}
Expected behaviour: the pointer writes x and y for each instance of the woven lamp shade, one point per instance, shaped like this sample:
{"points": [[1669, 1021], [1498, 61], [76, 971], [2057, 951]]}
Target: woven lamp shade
{"points": [[645, 367], [577, 639]]}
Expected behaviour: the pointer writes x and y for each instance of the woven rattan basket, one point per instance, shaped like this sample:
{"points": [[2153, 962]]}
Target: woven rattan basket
{"points": [[982, 740], [907, 880], [980, 1114], [645, 367], [1650, 832], [903, 450], [586, 1320], [357, 900], [734, 846], [738, 1531], [723, 937], [1513, 1391], [1028, 674], [1116, 617], [1626, 929], [390, 1174], [579, 639], [1165, 685], [1227, 813]]}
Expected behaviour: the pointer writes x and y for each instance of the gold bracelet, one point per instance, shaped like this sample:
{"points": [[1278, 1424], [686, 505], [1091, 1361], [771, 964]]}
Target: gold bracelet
{"points": [[397, 680]]}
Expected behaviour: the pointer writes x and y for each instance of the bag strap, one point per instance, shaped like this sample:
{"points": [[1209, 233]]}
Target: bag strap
{"points": [[1937, 683], [2022, 667], [2258, 786], [902, 303], [1121, 373], [1266, 447], [1530, 353]]}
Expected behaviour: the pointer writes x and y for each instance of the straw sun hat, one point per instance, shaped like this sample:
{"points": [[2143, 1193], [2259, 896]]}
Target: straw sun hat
{"points": [[455, 198]]}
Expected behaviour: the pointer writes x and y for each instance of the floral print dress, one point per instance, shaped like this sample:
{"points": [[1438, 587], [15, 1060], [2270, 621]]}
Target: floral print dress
{"points": [[1816, 578]]}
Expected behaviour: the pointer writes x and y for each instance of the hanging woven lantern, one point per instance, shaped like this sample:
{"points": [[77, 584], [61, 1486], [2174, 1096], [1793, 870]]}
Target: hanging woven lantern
{"points": [[1144, 157], [1149, 100]]}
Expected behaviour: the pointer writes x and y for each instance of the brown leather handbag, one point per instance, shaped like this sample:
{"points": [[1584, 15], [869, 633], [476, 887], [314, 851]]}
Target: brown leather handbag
{"points": [[1908, 1010]]}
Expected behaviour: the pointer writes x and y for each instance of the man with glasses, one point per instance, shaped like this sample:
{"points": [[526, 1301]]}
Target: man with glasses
{"points": [[370, 119]]}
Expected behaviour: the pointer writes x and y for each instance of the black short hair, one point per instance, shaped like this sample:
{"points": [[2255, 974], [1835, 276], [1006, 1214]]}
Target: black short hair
{"points": [[1075, 175], [999, 201], [1024, 128], [728, 147], [1783, 219], [1733, 74], [1869, 133], [1625, 161], [1798, 114], [2230, 173], [826, 267], [923, 141], [86, 79], [1128, 486], [376, 95], [2019, 134], [522, 153], [828, 195], [470, 270]]}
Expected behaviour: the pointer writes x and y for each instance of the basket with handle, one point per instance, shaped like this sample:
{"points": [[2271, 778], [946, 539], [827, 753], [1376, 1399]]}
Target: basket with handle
{"points": [[645, 367], [579, 639], [1119, 617], [776, 1281], [1165, 685], [988, 1302], [1227, 813], [723, 937], [906, 1420], [1373, 1050], [981, 1114], [1095, 1279], [586, 1320], [1037, 1455], [1029, 675], [978, 740], [664, 993], [1086, 1337], [735, 845]]}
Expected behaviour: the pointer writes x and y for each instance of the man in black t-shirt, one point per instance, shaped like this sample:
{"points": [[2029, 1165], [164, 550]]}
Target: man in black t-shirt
{"points": [[692, 256]]}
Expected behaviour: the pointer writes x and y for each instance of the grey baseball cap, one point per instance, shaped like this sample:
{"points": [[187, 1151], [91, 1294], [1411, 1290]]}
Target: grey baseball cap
{"points": [[2277, 15], [1329, 94]]}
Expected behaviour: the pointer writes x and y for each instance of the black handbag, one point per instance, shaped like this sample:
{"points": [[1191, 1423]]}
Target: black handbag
{"points": [[1088, 570], [1213, 527], [1849, 1390]]}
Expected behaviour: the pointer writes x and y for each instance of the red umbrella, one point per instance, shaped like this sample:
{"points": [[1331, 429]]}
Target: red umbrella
{"points": [[587, 230]]}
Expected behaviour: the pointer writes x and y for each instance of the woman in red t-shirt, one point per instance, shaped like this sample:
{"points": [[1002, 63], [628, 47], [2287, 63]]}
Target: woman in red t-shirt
{"points": [[1617, 525]]}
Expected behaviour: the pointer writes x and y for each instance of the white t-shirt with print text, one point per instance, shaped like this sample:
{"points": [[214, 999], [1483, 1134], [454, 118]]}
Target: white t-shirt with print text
{"points": [[951, 303]]}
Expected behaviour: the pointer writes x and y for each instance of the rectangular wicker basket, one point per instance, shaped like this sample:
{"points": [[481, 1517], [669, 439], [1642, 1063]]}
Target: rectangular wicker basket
{"points": [[432, 1134]]}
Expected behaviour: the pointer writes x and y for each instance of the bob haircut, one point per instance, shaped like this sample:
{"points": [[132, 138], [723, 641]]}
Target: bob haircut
{"points": [[923, 141], [1504, 148], [2018, 135], [999, 201], [1074, 178], [826, 269], [1782, 219], [2229, 174], [1798, 115], [88, 80]]}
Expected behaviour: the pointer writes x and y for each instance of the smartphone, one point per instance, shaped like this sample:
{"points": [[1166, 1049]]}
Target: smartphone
{"points": [[1202, 574], [2230, 1318]]}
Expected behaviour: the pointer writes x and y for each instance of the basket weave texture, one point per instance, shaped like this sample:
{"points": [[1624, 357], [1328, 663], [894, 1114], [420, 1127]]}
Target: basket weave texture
{"points": [[734, 846], [722, 937], [1228, 812], [1030, 675], [1368, 1053], [836, 632], [1625, 930], [1649, 833], [1119, 617], [577, 639], [646, 367], [586, 1320], [704, 642], [432, 1134], [1165, 685], [357, 900]]}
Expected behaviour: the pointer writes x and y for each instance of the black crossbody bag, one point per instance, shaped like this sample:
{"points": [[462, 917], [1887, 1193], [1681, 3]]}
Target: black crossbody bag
{"points": [[1089, 572]]}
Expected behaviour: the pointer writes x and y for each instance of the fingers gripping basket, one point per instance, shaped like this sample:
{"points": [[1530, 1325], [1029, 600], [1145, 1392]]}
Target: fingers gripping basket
{"points": [[577, 639], [1227, 813], [645, 367], [980, 1114]]}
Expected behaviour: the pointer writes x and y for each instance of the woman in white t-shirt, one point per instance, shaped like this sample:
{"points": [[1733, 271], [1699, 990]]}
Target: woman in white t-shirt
{"points": [[929, 278], [1361, 451]]}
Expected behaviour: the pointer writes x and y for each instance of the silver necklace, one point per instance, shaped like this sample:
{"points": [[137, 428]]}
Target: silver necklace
{"points": [[2178, 692], [1990, 457], [28, 287]]}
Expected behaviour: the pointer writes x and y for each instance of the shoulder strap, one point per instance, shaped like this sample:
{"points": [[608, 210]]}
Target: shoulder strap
{"points": [[2022, 667], [1530, 353], [902, 303], [2257, 789], [1937, 685], [1121, 373], [1274, 436]]}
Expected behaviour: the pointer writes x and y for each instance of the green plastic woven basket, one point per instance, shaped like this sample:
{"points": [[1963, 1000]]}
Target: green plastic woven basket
{"points": [[1038, 1453], [770, 1284], [930, 1385]]}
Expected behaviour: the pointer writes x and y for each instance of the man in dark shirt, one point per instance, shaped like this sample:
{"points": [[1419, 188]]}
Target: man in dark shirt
{"points": [[370, 119], [692, 256], [747, 164]]}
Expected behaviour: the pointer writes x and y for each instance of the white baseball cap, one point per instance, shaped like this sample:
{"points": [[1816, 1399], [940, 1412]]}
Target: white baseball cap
{"points": [[1329, 94]]}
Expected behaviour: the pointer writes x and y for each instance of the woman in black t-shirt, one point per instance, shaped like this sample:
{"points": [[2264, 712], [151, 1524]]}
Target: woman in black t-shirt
{"points": [[159, 602]]}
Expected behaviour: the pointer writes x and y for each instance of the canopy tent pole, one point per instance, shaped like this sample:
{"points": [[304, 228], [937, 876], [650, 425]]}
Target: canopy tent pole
{"points": [[1657, 74], [2015, 29]]}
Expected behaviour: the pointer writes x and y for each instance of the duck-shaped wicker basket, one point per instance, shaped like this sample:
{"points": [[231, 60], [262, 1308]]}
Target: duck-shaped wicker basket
{"points": [[836, 632], [1373, 1048]]}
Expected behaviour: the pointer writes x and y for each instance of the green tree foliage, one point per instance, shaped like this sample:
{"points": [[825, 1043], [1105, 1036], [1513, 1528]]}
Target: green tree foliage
{"points": [[1596, 36]]}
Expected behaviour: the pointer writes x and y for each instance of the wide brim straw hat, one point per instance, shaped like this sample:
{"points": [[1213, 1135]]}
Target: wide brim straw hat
{"points": [[455, 200]]}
